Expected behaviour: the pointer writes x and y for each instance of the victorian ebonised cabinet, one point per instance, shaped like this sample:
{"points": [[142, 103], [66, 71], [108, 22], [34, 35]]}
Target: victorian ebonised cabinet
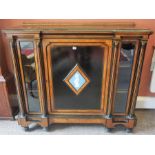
{"points": [[77, 74]]}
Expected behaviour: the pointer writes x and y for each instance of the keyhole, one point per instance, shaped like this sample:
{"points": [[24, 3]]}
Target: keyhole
{"points": [[74, 48]]}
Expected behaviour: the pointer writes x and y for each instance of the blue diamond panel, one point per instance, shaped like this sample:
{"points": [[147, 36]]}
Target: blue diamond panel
{"points": [[77, 80]]}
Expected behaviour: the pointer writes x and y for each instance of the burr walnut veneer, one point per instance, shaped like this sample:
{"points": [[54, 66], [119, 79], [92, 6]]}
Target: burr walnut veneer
{"points": [[77, 74]]}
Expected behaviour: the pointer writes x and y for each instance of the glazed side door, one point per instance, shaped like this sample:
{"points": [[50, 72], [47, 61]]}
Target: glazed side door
{"points": [[25, 55], [127, 61]]}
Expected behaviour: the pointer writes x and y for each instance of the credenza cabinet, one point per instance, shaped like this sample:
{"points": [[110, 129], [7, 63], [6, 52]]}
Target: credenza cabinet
{"points": [[77, 74]]}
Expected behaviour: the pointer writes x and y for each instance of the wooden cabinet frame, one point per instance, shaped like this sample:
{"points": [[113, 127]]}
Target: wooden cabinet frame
{"points": [[110, 40]]}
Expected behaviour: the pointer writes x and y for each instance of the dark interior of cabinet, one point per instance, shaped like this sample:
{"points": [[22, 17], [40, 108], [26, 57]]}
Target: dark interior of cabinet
{"points": [[90, 59]]}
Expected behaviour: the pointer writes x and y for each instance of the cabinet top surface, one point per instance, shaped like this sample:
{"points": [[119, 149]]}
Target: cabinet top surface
{"points": [[83, 27], [76, 30]]}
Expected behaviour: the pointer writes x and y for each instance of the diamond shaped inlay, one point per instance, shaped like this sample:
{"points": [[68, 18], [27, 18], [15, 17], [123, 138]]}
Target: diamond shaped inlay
{"points": [[77, 80]]}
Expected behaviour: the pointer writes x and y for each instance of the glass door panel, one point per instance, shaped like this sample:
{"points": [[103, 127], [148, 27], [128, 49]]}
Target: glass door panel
{"points": [[29, 70], [124, 75]]}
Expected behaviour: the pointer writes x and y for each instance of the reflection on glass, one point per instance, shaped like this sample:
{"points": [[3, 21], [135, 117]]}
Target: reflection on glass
{"points": [[124, 75], [28, 62], [90, 60]]}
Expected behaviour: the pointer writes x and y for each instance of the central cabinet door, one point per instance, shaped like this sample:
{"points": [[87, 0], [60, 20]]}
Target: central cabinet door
{"points": [[77, 75]]}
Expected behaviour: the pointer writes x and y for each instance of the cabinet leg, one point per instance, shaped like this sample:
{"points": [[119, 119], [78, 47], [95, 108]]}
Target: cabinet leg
{"points": [[129, 130], [109, 129], [26, 129], [46, 128], [13, 118]]}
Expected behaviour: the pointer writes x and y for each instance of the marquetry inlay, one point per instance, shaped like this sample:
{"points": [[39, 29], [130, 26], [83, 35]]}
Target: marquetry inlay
{"points": [[77, 79]]}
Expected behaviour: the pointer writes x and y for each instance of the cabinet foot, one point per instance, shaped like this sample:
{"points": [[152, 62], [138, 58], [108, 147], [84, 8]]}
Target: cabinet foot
{"points": [[129, 130], [109, 129], [46, 128], [13, 118], [26, 129]]}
